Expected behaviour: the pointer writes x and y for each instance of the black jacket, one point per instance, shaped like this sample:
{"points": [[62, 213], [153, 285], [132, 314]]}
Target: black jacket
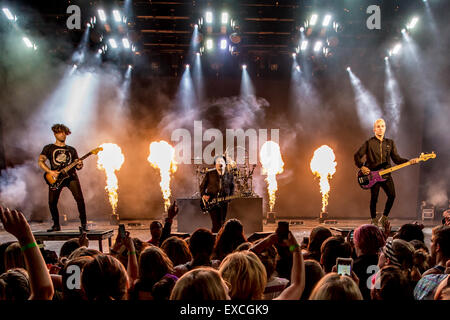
{"points": [[214, 185], [378, 153]]}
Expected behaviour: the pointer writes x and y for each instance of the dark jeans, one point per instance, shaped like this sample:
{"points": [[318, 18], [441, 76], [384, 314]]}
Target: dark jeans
{"points": [[389, 189], [218, 216], [53, 196]]}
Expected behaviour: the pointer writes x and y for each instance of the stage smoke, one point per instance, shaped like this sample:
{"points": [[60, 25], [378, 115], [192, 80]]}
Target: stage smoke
{"points": [[393, 99], [367, 107]]}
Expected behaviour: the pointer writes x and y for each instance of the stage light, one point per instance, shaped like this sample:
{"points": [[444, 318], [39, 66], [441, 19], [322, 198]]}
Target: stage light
{"points": [[198, 54], [386, 58], [297, 68], [244, 66], [224, 17], [8, 14], [326, 20], [102, 15], [313, 19], [403, 30], [348, 69], [133, 48], [126, 43], [209, 17], [130, 66], [187, 66], [196, 26], [413, 23], [223, 44], [88, 25], [304, 45], [209, 44], [294, 55], [397, 48], [113, 43], [27, 42], [317, 46], [302, 29], [100, 51], [116, 15]]}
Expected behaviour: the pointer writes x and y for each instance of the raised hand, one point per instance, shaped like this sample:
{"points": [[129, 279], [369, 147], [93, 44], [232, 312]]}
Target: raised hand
{"points": [[173, 210], [16, 224]]}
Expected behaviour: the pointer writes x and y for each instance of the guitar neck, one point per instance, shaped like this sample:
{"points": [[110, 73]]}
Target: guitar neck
{"points": [[388, 170], [70, 166]]}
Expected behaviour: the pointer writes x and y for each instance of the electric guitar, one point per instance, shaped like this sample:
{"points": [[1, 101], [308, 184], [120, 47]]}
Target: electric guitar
{"points": [[55, 182], [213, 202], [367, 181]]}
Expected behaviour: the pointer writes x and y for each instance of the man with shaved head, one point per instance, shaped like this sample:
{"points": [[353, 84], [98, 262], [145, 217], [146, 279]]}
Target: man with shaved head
{"points": [[377, 152]]}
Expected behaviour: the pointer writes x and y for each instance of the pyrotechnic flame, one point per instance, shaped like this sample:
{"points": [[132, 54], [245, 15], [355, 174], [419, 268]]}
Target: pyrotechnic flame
{"points": [[162, 157], [272, 164], [110, 159], [323, 166]]}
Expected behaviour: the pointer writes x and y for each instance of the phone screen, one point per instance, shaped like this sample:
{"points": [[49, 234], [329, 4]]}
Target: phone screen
{"points": [[344, 269], [122, 230]]}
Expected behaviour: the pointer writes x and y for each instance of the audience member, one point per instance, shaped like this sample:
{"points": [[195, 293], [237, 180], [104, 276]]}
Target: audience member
{"points": [[230, 236], [333, 248], [201, 245], [177, 250], [368, 240], [336, 287], [391, 284], [313, 274], [15, 285], [201, 284], [316, 238]]}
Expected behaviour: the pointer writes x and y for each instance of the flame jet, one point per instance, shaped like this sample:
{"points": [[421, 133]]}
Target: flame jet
{"points": [[323, 166], [162, 157], [272, 164], [110, 159]]}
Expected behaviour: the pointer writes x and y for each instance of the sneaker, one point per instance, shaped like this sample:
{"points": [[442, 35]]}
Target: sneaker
{"points": [[54, 228], [383, 220], [374, 221]]}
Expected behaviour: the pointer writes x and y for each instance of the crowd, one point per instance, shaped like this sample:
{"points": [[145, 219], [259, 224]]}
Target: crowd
{"points": [[228, 265]]}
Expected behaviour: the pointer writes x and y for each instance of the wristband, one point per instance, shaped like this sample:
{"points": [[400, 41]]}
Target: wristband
{"points": [[293, 247], [28, 246], [131, 252]]}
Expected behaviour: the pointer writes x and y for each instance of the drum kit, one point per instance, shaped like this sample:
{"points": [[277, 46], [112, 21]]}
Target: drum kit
{"points": [[243, 175]]}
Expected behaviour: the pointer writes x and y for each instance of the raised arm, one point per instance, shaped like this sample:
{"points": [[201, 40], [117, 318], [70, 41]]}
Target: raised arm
{"points": [[167, 229], [40, 281], [295, 290]]}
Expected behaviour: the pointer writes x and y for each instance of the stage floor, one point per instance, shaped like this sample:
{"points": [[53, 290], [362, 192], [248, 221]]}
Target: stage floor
{"points": [[140, 229]]}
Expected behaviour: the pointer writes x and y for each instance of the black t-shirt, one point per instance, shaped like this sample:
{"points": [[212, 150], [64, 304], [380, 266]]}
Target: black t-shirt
{"points": [[60, 157]]}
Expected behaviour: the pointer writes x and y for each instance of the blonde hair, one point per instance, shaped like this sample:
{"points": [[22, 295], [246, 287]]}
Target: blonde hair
{"points": [[246, 274], [336, 287], [203, 283]]}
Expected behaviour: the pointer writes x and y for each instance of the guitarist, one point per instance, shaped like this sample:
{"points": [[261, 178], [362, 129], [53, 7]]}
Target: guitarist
{"points": [[378, 151], [61, 155], [218, 182]]}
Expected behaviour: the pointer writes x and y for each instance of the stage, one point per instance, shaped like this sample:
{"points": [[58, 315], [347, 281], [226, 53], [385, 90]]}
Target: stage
{"points": [[140, 229]]}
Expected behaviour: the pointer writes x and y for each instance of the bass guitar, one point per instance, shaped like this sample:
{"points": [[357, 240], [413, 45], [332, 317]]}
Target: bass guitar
{"points": [[207, 205], [55, 182], [369, 180]]}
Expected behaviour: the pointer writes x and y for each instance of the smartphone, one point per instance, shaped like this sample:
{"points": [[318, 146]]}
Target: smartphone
{"points": [[351, 235], [344, 266], [122, 230], [283, 230]]}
